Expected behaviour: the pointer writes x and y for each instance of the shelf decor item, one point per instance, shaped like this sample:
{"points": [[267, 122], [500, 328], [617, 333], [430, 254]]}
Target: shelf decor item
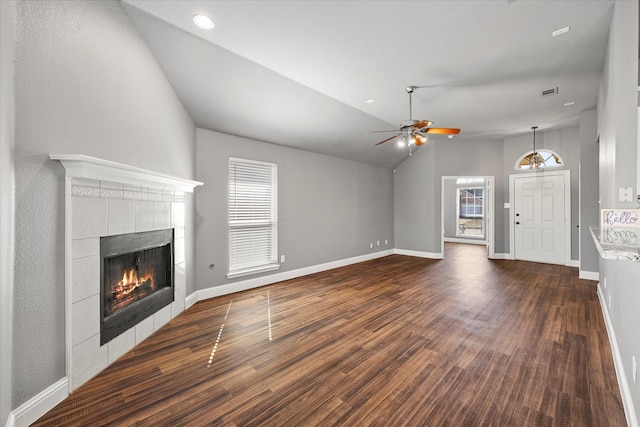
{"points": [[620, 218]]}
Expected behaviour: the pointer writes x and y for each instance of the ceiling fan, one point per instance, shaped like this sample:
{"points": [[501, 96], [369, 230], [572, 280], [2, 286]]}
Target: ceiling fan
{"points": [[414, 131]]}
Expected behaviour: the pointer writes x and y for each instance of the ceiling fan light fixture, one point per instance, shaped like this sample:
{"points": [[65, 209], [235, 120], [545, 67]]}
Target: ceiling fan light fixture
{"points": [[203, 22], [419, 139]]}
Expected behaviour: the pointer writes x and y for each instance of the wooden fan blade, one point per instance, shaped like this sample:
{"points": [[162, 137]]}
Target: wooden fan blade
{"points": [[423, 124], [381, 131], [442, 131], [389, 139]]}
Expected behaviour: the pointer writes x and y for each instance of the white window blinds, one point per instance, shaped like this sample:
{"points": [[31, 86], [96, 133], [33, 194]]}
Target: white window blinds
{"points": [[253, 225]]}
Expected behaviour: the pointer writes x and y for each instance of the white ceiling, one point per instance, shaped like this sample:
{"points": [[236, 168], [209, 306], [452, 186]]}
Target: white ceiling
{"points": [[297, 73]]}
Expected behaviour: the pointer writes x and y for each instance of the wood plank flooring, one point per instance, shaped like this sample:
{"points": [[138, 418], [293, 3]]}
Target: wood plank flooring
{"points": [[396, 341]]}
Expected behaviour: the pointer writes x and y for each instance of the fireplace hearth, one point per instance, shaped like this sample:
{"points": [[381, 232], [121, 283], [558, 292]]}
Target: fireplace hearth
{"points": [[137, 275]]}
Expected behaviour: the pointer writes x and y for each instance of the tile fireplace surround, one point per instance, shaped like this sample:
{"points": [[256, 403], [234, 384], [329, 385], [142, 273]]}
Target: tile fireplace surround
{"points": [[104, 198]]}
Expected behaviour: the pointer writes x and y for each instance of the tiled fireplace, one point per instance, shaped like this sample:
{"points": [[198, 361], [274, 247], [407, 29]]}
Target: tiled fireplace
{"points": [[122, 207]]}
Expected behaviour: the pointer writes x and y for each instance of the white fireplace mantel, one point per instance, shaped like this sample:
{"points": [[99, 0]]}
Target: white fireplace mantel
{"points": [[106, 198], [82, 166]]}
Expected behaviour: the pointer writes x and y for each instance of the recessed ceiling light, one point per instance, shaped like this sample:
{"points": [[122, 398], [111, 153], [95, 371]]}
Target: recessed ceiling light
{"points": [[203, 21], [561, 31], [370, 101], [569, 104]]}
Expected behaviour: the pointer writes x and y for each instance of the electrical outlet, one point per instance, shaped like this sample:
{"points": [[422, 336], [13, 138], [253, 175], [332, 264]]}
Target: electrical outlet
{"points": [[605, 283], [282, 259], [634, 369], [378, 243], [386, 242], [609, 300], [370, 245]]}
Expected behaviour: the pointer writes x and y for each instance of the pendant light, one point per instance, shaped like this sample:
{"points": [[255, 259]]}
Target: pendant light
{"points": [[534, 160]]}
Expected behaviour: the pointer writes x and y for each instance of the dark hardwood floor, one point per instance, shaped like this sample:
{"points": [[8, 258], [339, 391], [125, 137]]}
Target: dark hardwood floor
{"points": [[395, 341]]}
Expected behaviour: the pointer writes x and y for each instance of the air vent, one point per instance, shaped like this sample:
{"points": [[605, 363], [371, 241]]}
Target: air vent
{"points": [[549, 92]]}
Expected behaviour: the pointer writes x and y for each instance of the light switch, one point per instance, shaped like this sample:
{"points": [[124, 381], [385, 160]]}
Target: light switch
{"points": [[625, 194]]}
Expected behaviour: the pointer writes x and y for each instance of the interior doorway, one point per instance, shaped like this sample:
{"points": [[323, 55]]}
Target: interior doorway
{"points": [[467, 211], [540, 217]]}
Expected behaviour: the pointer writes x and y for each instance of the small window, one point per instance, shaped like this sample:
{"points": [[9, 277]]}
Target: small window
{"points": [[253, 225], [470, 212], [538, 160]]}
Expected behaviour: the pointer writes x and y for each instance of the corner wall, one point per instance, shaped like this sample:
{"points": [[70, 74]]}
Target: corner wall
{"points": [[86, 83]]}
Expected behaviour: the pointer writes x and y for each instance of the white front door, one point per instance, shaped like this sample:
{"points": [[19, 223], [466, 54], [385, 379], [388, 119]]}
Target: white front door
{"points": [[539, 218]]}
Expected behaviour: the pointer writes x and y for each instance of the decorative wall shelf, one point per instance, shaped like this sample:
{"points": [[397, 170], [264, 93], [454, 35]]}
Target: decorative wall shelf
{"points": [[617, 243]]}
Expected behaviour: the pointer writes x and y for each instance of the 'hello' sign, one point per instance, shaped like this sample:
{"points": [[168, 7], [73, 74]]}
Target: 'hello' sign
{"points": [[619, 218]]}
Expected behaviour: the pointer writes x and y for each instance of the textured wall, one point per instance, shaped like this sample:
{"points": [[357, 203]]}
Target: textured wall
{"points": [[329, 209], [617, 127], [7, 203], [85, 84]]}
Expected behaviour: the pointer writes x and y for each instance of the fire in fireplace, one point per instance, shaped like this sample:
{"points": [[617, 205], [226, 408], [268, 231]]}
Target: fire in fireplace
{"points": [[137, 279]]}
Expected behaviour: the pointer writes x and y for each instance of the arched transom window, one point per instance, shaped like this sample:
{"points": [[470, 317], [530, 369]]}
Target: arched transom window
{"points": [[539, 159]]}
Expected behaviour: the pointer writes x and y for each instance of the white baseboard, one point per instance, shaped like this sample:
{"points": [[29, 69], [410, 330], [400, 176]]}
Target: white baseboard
{"points": [[501, 256], [190, 300], [573, 263], [627, 399], [229, 288], [432, 255], [25, 414], [469, 241], [589, 275]]}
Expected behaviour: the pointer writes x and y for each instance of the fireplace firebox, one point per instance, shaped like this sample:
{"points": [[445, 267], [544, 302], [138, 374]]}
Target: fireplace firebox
{"points": [[137, 276]]}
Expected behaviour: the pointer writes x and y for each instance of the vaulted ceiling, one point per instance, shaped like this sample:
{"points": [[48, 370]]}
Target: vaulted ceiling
{"points": [[298, 73]]}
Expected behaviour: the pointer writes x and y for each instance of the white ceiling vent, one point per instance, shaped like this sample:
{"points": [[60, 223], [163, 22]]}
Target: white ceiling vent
{"points": [[549, 92]]}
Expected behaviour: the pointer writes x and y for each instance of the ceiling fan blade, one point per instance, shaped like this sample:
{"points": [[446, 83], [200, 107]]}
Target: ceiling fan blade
{"points": [[381, 131], [389, 139], [442, 131], [423, 124]]}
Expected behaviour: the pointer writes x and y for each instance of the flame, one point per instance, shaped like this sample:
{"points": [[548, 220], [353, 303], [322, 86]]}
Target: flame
{"points": [[131, 288]]}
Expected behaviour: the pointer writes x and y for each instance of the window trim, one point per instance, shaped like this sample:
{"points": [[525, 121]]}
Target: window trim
{"points": [[273, 265]]}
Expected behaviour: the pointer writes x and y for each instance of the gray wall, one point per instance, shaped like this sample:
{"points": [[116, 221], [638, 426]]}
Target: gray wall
{"points": [[589, 177], [328, 208], [86, 83], [418, 189], [6, 207], [617, 127], [416, 204], [458, 157]]}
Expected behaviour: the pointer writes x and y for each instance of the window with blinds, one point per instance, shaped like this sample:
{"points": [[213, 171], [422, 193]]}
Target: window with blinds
{"points": [[253, 224]]}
